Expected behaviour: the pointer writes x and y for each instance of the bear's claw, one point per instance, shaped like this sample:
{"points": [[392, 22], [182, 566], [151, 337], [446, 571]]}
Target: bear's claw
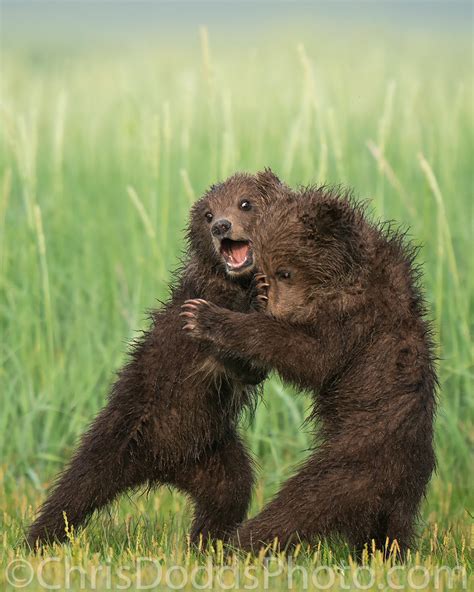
{"points": [[261, 287], [190, 311]]}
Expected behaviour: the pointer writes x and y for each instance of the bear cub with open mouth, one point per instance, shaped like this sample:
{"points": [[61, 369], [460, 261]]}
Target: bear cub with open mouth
{"points": [[172, 413]]}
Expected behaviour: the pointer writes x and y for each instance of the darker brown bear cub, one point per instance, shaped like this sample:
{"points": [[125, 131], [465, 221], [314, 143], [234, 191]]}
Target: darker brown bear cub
{"points": [[172, 414], [345, 320]]}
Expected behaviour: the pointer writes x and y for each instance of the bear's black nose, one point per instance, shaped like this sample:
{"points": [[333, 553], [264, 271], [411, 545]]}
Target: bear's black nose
{"points": [[220, 227]]}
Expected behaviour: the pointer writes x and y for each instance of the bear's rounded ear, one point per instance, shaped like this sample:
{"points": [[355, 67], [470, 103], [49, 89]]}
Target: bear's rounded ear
{"points": [[330, 216], [327, 219], [267, 182]]}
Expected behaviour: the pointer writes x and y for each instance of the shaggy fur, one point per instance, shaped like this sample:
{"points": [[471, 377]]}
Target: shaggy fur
{"points": [[345, 320], [172, 414]]}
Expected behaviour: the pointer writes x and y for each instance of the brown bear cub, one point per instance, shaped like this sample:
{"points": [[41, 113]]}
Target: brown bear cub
{"points": [[172, 413], [346, 320]]}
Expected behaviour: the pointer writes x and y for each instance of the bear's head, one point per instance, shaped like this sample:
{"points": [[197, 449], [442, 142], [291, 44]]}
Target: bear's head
{"points": [[224, 220], [309, 242]]}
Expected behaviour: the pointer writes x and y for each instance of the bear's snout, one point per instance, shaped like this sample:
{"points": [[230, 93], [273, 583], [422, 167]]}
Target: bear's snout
{"points": [[221, 227]]}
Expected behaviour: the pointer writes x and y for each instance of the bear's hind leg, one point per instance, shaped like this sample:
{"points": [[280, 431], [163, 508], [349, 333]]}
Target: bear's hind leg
{"points": [[392, 532], [220, 486], [106, 463], [329, 495], [401, 526]]}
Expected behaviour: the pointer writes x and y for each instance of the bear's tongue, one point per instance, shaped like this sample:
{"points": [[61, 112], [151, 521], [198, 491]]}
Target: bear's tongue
{"points": [[234, 252]]}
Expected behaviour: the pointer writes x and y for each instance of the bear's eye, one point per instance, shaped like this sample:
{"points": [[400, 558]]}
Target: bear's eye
{"points": [[209, 216], [283, 274], [245, 204]]}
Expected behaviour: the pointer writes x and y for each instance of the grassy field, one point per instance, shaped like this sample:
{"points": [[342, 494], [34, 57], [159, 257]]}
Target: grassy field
{"points": [[103, 149]]}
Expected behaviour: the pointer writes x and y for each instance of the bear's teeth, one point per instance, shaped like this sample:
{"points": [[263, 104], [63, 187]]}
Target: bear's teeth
{"points": [[235, 252], [238, 252]]}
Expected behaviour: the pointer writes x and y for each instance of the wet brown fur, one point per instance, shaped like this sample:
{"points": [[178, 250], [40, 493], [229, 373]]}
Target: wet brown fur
{"points": [[349, 325], [172, 414]]}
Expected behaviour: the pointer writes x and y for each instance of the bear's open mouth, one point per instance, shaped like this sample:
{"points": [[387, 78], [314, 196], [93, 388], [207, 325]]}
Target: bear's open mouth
{"points": [[237, 254]]}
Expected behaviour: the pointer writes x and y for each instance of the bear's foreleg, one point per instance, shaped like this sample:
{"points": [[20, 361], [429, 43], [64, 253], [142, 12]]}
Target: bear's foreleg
{"points": [[304, 359]]}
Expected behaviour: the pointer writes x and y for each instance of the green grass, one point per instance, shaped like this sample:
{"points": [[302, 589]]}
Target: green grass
{"points": [[104, 149]]}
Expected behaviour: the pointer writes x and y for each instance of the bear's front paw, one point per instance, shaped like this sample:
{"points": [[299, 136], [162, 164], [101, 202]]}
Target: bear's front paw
{"points": [[261, 286], [202, 318]]}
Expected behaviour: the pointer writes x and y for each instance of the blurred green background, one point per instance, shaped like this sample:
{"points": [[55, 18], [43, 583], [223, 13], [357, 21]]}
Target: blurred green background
{"points": [[115, 118]]}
